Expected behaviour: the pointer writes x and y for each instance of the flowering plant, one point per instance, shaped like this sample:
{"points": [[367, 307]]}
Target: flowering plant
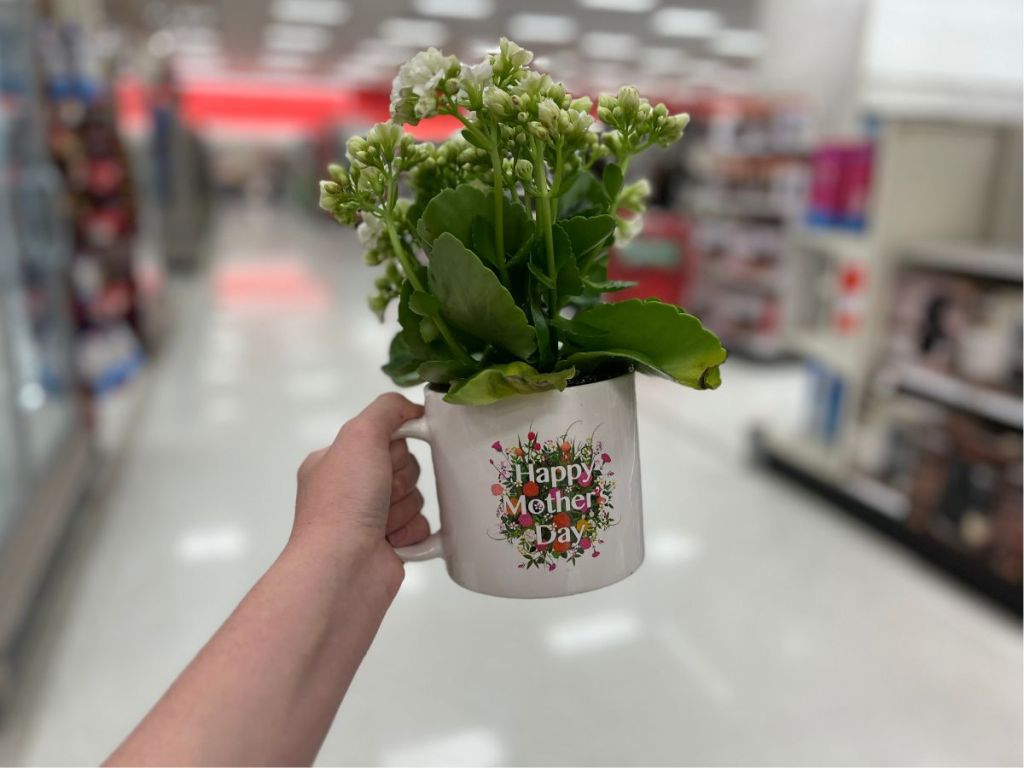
{"points": [[514, 223], [554, 498]]}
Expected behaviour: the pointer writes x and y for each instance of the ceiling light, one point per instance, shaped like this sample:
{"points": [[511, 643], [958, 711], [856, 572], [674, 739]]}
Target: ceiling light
{"points": [[417, 32], [161, 43], [621, 6], [617, 46], [284, 61], [198, 36], [542, 28], [456, 9], [659, 60], [290, 37], [325, 12], [481, 46], [738, 43], [197, 48], [685, 22]]}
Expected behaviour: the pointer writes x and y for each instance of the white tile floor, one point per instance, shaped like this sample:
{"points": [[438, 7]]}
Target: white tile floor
{"points": [[763, 629]]}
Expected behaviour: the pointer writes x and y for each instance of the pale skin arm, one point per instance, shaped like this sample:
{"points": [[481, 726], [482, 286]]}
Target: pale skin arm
{"points": [[266, 687]]}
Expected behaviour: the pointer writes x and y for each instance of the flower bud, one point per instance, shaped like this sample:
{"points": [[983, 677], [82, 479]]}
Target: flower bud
{"points": [[338, 173], [548, 113], [582, 104], [498, 102], [524, 170], [629, 101]]}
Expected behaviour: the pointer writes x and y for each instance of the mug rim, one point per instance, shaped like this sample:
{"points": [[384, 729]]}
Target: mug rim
{"points": [[438, 394]]}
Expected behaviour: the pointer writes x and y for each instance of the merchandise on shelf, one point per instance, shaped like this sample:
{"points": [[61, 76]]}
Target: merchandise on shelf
{"points": [[751, 189], [840, 185], [88, 150], [967, 328], [828, 391], [961, 477]]}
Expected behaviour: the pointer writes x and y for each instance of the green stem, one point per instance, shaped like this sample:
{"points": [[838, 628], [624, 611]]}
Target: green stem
{"points": [[409, 268], [557, 186], [499, 212], [540, 177]]}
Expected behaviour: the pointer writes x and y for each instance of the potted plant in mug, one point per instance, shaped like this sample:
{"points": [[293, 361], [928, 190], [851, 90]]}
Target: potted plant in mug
{"points": [[495, 247]]}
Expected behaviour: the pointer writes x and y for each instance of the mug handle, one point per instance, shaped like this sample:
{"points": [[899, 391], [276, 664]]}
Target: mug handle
{"points": [[431, 546]]}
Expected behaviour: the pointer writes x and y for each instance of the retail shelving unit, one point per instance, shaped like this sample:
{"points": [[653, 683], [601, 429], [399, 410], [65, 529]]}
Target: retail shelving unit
{"points": [[913, 426], [752, 174], [46, 452]]}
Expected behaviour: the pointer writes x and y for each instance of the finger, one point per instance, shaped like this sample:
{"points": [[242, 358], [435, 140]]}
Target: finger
{"points": [[382, 417], [403, 511], [403, 481], [413, 532], [400, 454]]}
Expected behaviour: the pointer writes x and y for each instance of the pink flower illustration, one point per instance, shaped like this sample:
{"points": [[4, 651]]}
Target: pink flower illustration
{"points": [[496, 445], [497, 489], [585, 543], [606, 458], [532, 437], [525, 520]]}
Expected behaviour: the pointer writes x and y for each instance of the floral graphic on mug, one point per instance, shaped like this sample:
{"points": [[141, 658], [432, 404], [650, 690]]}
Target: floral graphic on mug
{"points": [[554, 497]]}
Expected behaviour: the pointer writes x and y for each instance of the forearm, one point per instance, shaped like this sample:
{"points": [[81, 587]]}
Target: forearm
{"points": [[266, 687]]}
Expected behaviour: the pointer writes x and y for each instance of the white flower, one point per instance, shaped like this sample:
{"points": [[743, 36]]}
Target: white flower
{"points": [[371, 232], [414, 90], [530, 535], [474, 79], [628, 229], [328, 189]]}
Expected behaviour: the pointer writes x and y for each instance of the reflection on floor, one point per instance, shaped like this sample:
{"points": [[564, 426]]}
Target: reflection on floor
{"points": [[762, 629]]}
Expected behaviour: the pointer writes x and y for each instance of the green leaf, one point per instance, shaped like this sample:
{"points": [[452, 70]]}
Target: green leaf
{"points": [[661, 337], [443, 371], [410, 323], [482, 237], [402, 363], [501, 381], [582, 195], [568, 282], [542, 278], [543, 331], [423, 304], [474, 300], [608, 286], [429, 330], [612, 180], [453, 211], [588, 232], [519, 228]]}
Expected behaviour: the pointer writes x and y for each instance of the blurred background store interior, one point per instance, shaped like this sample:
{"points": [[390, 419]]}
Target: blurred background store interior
{"points": [[834, 536]]}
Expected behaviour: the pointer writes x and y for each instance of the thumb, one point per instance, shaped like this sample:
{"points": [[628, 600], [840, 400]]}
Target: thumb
{"points": [[379, 420]]}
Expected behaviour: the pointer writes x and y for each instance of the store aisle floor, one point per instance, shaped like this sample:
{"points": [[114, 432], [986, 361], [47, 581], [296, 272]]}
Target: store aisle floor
{"points": [[763, 628]]}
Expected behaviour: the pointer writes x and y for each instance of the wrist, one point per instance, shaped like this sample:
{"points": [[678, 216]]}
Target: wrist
{"points": [[368, 566]]}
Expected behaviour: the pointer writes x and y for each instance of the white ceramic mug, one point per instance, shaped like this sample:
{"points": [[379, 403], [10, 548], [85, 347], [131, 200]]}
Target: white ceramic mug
{"points": [[539, 494]]}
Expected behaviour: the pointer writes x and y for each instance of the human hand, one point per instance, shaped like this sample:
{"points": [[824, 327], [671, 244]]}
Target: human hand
{"points": [[360, 491]]}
